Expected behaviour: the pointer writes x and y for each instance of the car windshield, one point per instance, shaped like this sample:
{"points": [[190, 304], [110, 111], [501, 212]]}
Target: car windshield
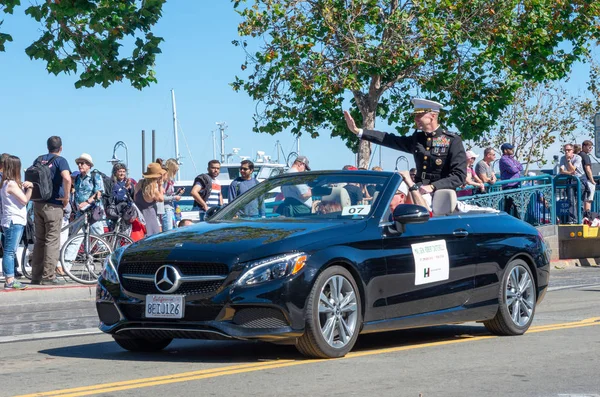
{"points": [[307, 196]]}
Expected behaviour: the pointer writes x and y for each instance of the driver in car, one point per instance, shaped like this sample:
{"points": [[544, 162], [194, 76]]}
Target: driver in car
{"points": [[412, 194]]}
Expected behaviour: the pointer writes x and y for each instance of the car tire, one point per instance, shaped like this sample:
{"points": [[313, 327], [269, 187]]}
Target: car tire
{"points": [[141, 344], [338, 318], [517, 300]]}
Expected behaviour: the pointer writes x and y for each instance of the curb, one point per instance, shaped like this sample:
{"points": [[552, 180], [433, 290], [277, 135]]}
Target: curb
{"points": [[52, 294], [560, 264], [50, 335]]}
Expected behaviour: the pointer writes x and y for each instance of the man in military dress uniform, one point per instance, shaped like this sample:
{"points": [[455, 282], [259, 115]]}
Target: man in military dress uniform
{"points": [[439, 154]]}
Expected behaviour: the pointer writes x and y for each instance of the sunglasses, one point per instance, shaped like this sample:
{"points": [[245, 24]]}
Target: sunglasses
{"points": [[244, 169], [80, 163]]}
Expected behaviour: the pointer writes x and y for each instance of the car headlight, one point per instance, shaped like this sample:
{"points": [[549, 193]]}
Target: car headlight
{"points": [[109, 271], [272, 268]]}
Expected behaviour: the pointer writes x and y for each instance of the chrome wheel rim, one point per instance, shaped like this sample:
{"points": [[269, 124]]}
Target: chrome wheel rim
{"points": [[519, 296], [338, 311]]}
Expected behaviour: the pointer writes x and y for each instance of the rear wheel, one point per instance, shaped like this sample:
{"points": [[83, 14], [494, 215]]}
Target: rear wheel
{"points": [[333, 315], [141, 344], [25, 260], [117, 240], [517, 298]]}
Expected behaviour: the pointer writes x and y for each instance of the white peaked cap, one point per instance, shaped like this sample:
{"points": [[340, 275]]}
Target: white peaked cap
{"points": [[426, 106]]}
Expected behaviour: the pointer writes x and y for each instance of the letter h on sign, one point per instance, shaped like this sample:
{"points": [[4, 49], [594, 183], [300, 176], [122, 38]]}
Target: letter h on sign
{"points": [[426, 272]]}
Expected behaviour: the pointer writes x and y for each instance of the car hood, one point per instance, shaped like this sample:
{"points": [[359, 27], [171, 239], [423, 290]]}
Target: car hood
{"points": [[230, 242]]}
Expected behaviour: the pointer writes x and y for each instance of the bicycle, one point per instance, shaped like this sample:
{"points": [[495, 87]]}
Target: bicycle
{"points": [[28, 240], [83, 254], [116, 238]]}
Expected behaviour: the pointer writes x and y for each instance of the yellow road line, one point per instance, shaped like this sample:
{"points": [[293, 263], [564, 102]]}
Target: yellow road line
{"points": [[157, 378], [252, 367]]}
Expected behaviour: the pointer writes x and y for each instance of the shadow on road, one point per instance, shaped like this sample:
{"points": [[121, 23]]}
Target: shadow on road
{"points": [[243, 351]]}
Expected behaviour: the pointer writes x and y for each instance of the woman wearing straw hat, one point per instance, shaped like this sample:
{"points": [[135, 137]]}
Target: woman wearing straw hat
{"points": [[148, 192]]}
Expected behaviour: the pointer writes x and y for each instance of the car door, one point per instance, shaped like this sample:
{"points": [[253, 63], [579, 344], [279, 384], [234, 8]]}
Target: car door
{"points": [[422, 275]]}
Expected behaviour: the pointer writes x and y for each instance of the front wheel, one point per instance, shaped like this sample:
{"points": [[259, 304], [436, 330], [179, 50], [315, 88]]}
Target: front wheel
{"points": [[333, 315], [83, 261], [141, 344], [517, 298]]}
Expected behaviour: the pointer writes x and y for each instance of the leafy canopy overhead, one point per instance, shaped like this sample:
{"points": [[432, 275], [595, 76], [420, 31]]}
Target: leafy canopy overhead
{"points": [[471, 55], [90, 35]]}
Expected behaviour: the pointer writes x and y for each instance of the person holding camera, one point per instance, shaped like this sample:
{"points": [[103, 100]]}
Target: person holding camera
{"points": [[168, 217]]}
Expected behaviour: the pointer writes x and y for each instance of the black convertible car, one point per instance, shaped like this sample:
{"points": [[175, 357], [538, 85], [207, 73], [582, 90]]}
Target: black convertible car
{"points": [[313, 270]]}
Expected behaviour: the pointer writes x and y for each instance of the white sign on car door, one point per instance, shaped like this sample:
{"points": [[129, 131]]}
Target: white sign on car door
{"points": [[431, 262]]}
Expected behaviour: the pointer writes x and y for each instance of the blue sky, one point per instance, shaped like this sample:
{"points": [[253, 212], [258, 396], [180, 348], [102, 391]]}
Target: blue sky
{"points": [[198, 61]]}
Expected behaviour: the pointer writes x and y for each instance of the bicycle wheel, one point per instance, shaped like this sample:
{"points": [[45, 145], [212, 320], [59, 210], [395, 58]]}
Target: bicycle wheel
{"points": [[84, 266], [25, 261], [117, 240]]}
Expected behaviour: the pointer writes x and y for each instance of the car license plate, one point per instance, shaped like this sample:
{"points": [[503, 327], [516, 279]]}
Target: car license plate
{"points": [[164, 306]]}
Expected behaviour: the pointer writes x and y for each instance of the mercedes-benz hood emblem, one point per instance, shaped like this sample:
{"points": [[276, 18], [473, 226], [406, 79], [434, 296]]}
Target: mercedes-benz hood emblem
{"points": [[167, 279]]}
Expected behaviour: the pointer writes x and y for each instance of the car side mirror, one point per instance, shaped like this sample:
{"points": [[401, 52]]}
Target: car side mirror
{"points": [[410, 213]]}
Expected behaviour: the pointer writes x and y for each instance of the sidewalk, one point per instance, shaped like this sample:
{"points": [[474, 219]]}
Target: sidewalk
{"points": [[70, 291]]}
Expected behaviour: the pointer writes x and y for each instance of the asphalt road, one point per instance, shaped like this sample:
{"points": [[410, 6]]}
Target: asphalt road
{"points": [[558, 356]]}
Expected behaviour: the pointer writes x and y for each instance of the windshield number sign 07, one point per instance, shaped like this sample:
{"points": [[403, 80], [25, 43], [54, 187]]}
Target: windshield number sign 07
{"points": [[164, 306], [356, 210]]}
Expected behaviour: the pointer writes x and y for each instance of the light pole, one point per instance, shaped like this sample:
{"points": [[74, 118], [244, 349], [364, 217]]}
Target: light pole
{"points": [[404, 159], [289, 157], [597, 134], [222, 127], [115, 159]]}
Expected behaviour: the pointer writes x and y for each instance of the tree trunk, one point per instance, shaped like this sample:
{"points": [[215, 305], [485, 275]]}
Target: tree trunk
{"points": [[364, 150]]}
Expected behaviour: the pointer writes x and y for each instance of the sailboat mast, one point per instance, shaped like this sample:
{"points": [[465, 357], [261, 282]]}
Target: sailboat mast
{"points": [[177, 155]]}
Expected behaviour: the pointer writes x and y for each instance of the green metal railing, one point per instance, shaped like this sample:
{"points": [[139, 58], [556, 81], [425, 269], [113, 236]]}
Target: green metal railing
{"points": [[538, 200]]}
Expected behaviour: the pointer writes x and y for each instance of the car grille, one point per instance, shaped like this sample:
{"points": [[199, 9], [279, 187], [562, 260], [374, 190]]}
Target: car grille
{"points": [[262, 317], [185, 268], [192, 313]]}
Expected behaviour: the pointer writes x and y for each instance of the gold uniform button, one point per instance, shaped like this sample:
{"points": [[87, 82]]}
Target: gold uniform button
{"points": [[427, 148], [424, 167], [424, 157]]}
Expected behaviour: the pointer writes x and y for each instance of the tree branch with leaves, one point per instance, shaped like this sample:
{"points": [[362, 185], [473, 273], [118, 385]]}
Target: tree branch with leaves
{"points": [[310, 56], [88, 37]]}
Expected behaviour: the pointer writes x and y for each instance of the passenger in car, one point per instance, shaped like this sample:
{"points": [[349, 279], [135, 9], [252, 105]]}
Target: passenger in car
{"points": [[327, 207]]}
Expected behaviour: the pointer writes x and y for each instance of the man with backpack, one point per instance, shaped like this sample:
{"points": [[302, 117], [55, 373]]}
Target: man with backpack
{"points": [[51, 177]]}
